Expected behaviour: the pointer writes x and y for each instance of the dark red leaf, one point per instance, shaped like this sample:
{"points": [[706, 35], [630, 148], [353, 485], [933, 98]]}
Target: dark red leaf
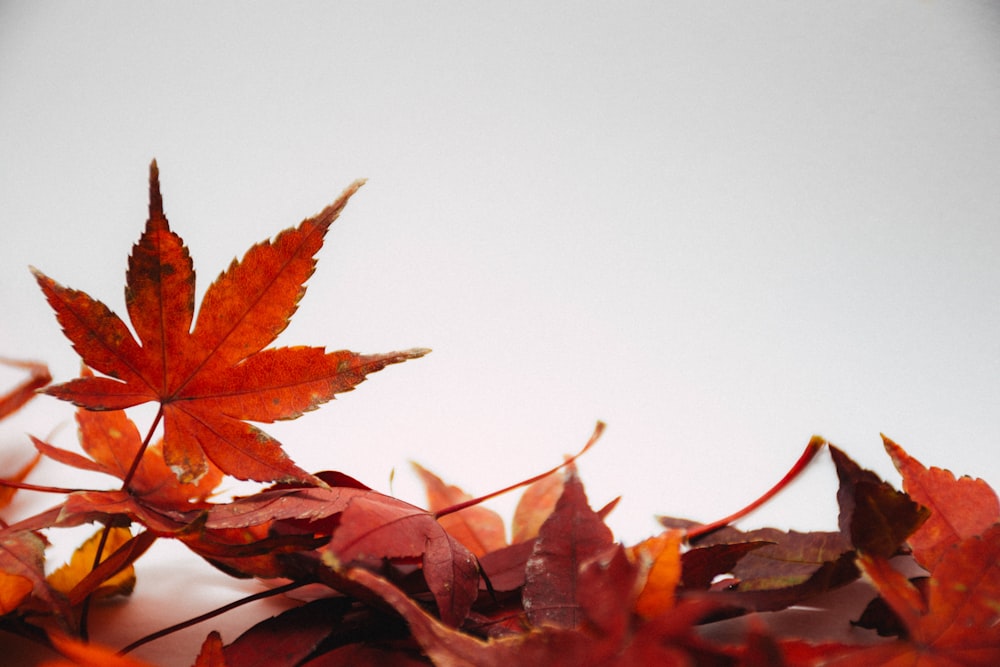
{"points": [[572, 535], [877, 517]]}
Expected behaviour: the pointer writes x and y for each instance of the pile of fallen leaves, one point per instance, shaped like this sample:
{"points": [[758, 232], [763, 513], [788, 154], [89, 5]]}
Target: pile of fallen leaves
{"points": [[396, 584]]}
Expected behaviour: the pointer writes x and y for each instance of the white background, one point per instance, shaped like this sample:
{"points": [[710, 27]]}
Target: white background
{"points": [[719, 227]]}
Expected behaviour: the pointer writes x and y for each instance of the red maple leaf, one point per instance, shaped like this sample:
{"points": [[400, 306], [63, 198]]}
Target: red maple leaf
{"points": [[957, 621], [960, 508], [212, 378]]}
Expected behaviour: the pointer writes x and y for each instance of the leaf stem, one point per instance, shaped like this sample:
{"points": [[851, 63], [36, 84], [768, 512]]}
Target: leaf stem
{"points": [[598, 429], [278, 590], [815, 444], [25, 486], [85, 606], [142, 450]]}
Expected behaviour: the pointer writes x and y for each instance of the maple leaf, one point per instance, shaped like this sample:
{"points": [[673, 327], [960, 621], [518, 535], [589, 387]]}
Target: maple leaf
{"points": [[775, 569], [877, 517], [957, 622], [210, 379], [960, 508]]}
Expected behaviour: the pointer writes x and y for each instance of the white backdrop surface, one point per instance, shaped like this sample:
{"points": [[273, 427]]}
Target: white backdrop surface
{"points": [[719, 227]]}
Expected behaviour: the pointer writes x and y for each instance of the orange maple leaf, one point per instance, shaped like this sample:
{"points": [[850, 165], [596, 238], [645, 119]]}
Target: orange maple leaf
{"points": [[212, 378], [14, 589], [113, 442], [659, 560]]}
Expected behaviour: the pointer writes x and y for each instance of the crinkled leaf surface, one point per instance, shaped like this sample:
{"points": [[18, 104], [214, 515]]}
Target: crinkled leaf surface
{"points": [[211, 374]]}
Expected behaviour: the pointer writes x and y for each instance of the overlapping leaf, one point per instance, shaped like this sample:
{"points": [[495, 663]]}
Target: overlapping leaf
{"points": [[113, 443], [572, 535], [407, 586], [67, 578], [22, 559], [367, 527], [213, 378], [479, 529], [957, 622]]}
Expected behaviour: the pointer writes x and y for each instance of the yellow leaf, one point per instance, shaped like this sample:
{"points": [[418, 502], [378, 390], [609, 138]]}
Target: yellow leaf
{"points": [[72, 573]]}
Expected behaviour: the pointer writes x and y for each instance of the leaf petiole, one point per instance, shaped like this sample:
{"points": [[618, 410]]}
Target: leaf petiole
{"points": [[85, 607], [598, 430], [278, 590], [142, 450], [815, 444]]}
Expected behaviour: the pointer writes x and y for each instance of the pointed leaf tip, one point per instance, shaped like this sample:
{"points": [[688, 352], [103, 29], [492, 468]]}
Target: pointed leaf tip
{"points": [[155, 198], [212, 379]]}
